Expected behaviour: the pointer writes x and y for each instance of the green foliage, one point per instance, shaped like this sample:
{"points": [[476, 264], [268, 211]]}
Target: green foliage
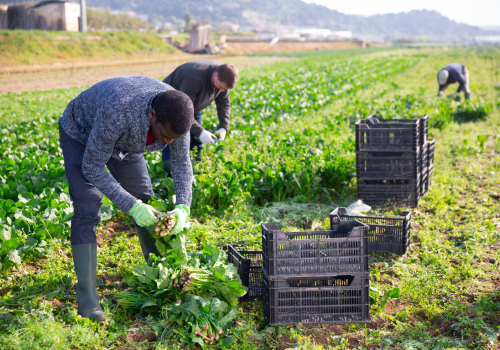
{"points": [[22, 47], [446, 297], [472, 112], [101, 19], [259, 161]]}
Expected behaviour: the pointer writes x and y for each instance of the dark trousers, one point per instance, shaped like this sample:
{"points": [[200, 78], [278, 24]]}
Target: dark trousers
{"points": [[194, 142], [131, 173]]}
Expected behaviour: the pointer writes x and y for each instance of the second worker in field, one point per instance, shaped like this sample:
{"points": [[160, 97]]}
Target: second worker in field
{"points": [[454, 73], [204, 81]]}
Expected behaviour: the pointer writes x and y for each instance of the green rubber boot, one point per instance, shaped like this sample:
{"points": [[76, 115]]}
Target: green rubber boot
{"points": [[85, 260], [147, 243]]}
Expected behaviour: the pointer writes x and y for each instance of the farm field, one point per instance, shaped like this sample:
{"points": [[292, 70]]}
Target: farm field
{"points": [[289, 159]]}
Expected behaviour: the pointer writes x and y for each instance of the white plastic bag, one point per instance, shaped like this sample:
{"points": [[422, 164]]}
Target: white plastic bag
{"points": [[358, 208]]}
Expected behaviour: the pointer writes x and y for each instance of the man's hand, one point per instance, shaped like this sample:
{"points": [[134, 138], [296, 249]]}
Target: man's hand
{"points": [[181, 213], [222, 133], [144, 214], [440, 94], [207, 137]]}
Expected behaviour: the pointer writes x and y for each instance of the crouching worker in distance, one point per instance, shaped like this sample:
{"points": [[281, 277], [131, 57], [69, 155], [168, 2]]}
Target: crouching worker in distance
{"points": [[454, 73], [203, 81], [112, 124]]}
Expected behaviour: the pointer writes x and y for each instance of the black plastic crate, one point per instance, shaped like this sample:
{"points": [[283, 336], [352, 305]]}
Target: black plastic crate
{"points": [[424, 160], [424, 129], [389, 135], [430, 153], [423, 121], [249, 265], [340, 251], [386, 235], [390, 165], [426, 183], [390, 192], [314, 299]]}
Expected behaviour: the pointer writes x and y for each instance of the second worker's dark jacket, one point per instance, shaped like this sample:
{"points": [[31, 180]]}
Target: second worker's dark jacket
{"points": [[457, 74], [194, 78]]}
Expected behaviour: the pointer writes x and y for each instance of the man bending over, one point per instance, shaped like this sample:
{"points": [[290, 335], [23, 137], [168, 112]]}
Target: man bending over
{"points": [[203, 81], [112, 124]]}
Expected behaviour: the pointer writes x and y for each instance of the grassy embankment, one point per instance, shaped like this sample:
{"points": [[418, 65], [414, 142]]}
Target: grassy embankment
{"points": [[449, 279], [47, 47]]}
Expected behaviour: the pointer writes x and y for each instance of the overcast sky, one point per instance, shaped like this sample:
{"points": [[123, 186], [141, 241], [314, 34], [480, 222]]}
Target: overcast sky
{"points": [[474, 12]]}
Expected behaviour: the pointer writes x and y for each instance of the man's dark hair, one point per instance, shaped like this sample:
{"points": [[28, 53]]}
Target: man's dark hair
{"points": [[228, 74], [176, 109]]}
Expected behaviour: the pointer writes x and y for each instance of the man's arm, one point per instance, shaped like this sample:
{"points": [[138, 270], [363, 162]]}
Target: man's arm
{"points": [[182, 171], [99, 148], [192, 89], [223, 102]]}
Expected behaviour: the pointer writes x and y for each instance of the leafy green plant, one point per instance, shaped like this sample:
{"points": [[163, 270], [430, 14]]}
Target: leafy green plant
{"points": [[378, 306], [472, 112]]}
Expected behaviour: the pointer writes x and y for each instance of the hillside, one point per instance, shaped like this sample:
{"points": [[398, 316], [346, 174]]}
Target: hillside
{"points": [[280, 14], [283, 13], [45, 47]]}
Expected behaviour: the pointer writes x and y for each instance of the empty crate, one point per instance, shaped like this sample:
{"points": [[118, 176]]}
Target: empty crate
{"points": [[394, 165], [340, 251], [390, 192], [400, 136], [388, 235], [249, 265], [430, 153], [336, 299]]}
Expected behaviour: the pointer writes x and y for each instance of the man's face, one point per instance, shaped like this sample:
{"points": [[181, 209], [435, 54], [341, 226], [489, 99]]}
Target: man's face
{"points": [[219, 84], [161, 132]]}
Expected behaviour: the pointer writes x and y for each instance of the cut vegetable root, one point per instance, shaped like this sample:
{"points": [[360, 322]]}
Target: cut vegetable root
{"points": [[165, 225]]}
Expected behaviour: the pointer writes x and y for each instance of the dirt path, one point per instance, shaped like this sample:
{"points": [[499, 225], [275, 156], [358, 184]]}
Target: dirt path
{"points": [[65, 75]]}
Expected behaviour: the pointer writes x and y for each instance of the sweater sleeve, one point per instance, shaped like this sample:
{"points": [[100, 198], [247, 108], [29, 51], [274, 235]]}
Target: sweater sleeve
{"points": [[182, 171], [223, 102], [99, 148]]}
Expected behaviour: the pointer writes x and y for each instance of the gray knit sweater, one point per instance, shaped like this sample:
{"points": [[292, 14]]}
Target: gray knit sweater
{"points": [[112, 119]]}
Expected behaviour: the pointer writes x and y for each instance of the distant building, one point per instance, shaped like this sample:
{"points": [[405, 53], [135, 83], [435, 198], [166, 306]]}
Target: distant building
{"points": [[261, 34], [343, 34], [46, 15], [487, 40], [320, 33], [57, 15]]}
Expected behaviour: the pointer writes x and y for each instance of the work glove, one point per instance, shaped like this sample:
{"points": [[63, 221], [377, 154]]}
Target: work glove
{"points": [[181, 213], [222, 133], [454, 95], [207, 137], [144, 214], [467, 95]]}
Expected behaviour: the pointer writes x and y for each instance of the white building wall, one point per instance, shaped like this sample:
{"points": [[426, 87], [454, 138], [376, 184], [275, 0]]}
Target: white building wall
{"points": [[71, 16]]}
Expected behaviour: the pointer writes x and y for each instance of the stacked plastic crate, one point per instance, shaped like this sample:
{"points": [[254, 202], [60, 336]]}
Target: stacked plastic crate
{"points": [[392, 160], [386, 234], [249, 265], [316, 277]]}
